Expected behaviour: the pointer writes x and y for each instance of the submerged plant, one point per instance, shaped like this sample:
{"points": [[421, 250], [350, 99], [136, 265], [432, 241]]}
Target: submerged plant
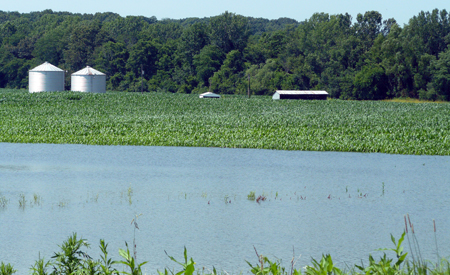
{"points": [[130, 195], [36, 199], [251, 196], [3, 201], [22, 201]]}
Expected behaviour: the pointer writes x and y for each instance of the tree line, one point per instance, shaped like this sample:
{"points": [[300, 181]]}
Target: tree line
{"points": [[366, 59]]}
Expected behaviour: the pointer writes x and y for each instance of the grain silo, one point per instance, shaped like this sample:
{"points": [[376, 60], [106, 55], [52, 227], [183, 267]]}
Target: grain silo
{"points": [[88, 80], [46, 78]]}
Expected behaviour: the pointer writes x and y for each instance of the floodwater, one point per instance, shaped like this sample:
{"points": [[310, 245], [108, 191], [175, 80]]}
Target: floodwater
{"points": [[343, 204]]}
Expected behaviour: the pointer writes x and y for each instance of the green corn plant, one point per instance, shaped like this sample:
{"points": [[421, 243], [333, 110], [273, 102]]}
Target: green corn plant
{"points": [[6, 269], [71, 258], [188, 265], [130, 262]]}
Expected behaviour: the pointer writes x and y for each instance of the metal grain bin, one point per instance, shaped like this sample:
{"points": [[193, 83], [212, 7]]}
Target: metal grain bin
{"points": [[88, 80], [45, 78]]}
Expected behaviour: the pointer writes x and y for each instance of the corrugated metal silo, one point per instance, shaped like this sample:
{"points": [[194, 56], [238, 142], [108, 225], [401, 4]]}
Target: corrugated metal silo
{"points": [[45, 78], [88, 80]]}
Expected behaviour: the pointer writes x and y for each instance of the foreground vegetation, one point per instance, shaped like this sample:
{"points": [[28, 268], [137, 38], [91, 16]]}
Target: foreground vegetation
{"points": [[166, 119], [367, 57], [73, 259]]}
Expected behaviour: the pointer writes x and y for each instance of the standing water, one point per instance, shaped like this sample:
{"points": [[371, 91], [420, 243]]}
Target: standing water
{"points": [[343, 204]]}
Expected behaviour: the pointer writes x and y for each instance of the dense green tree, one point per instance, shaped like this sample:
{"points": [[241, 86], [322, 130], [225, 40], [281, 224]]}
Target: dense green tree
{"points": [[441, 75], [229, 32], [208, 61]]}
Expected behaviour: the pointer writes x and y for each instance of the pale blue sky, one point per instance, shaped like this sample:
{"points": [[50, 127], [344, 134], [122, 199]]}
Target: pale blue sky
{"points": [[300, 10]]}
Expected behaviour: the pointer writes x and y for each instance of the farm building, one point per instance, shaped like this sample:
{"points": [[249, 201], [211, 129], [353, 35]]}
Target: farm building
{"points": [[88, 80], [319, 95], [209, 95], [45, 78]]}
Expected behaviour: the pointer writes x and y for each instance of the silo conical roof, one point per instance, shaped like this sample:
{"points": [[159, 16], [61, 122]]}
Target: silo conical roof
{"points": [[46, 67], [88, 71]]}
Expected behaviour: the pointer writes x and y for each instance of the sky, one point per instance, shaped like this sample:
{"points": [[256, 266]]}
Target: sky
{"points": [[299, 10]]}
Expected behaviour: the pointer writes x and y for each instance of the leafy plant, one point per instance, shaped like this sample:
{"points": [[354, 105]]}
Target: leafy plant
{"points": [[324, 267], [386, 265], [71, 258], [40, 267], [188, 265], [106, 264], [130, 262], [6, 269]]}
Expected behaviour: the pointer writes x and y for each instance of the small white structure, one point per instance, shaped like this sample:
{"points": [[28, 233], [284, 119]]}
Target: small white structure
{"points": [[318, 95], [45, 78], [88, 80], [209, 95]]}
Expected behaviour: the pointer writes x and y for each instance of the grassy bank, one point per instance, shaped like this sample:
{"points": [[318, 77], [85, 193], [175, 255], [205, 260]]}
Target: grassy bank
{"points": [[163, 119]]}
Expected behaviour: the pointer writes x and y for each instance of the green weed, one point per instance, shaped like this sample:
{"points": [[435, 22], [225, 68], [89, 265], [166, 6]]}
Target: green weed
{"points": [[6, 269], [3, 201], [251, 196], [22, 201]]}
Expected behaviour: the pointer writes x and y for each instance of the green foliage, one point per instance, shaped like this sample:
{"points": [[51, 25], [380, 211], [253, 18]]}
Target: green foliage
{"points": [[73, 261], [40, 267], [385, 266], [369, 58], [130, 262], [71, 258], [6, 269], [251, 196], [188, 265], [324, 267], [164, 119], [265, 266]]}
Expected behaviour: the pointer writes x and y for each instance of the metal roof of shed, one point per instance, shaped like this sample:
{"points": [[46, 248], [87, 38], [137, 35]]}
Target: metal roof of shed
{"points": [[209, 95], [88, 71], [287, 92], [46, 67]]}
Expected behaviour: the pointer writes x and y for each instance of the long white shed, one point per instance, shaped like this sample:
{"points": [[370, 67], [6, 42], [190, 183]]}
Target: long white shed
{"points": [[285, 94], [46, 78], [88, 80]]}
